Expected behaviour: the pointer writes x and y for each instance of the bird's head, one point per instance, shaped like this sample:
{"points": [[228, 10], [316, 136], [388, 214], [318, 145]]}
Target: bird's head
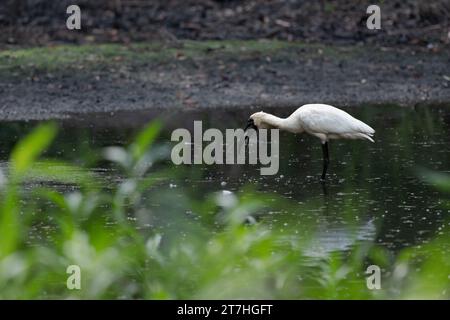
{"points": [[255, 121]]}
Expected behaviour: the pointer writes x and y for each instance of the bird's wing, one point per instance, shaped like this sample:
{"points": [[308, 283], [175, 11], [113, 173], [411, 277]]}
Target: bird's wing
{"points": [[330, 120]]}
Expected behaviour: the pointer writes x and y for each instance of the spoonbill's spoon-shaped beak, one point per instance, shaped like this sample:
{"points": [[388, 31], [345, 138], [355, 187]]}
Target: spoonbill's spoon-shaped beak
{"points": [[250, 124]]}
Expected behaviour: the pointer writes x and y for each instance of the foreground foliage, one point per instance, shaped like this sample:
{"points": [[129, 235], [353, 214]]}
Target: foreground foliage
{"points": [[218, 247]]}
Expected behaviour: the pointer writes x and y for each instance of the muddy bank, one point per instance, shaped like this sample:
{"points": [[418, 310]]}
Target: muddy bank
{"points": [[57, 82]]}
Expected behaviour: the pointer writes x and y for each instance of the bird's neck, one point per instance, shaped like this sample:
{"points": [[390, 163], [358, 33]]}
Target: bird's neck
{"points": [[285, 124]]}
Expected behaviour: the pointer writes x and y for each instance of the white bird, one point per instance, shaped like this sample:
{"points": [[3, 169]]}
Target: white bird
{"points": [[320, 120]]}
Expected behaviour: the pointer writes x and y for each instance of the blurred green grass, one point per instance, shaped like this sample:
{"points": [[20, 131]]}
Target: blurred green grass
{"points": [[66, 58]]}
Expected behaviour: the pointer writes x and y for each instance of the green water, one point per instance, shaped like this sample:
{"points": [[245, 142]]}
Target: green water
{"points": [[374, 192]]}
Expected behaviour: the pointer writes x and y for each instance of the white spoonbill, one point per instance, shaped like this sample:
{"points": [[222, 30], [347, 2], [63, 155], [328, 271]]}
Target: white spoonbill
{"points": [[320, 120]]}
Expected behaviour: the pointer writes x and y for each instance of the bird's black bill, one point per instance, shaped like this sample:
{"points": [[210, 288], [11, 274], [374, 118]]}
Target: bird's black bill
{"points": [[250, 125]]}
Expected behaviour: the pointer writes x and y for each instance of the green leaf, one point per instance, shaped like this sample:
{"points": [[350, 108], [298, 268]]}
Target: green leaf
{"points": [[55, 171], [10, 227], [145, 139], [54, 196], [117, 155], [31, 147], [439, 180]]}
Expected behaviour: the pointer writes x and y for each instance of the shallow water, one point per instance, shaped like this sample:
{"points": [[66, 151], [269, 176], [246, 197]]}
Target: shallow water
{"points": [[374, 191]]}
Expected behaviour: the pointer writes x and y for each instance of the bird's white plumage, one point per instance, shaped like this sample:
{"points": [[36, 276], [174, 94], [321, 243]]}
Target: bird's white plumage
{"points": [[334, 123], [320, 120]]}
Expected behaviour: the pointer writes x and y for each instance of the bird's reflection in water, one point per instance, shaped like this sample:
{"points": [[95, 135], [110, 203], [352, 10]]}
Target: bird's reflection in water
{"points": [[324, 189], [337, 226], [332, 237]]}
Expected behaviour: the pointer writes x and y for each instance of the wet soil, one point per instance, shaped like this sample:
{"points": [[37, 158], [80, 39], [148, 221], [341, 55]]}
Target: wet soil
{"points": [[56, 82]]}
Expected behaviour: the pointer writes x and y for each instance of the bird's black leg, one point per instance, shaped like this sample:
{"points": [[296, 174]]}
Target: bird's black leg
{"points": [[326, 160]]}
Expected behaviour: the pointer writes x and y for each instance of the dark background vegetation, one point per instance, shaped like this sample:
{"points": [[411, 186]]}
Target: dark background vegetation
{"points": [[413, 22]]}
